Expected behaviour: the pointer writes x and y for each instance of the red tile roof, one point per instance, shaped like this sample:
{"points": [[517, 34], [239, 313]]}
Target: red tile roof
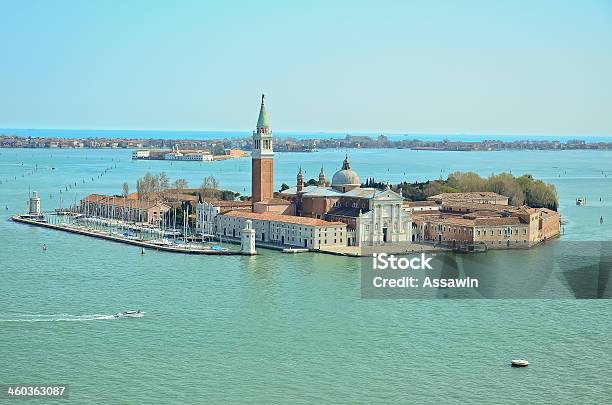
{"points": [[225, 203], [274, 201], [288, 219]]}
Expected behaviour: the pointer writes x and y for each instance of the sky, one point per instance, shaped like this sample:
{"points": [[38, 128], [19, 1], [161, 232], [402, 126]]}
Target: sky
{"points": [[439, 67]]}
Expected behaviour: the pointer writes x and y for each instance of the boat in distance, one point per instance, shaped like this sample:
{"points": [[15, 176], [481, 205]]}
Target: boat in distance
{"points": [[520, 363], [130, 314]]}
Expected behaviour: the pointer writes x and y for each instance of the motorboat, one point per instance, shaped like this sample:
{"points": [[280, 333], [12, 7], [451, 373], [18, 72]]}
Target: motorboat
{"points": [[130, 314], [520, 363], [295, 250], [580, 201]]}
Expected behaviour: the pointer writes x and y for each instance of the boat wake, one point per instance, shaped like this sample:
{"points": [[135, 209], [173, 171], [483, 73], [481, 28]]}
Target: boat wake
{"points": [[55, 318]]}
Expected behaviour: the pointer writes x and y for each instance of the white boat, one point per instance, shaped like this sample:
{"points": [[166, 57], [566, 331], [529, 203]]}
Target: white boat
{"points": [[162, 242], [295, 250], [520, 363], [170, 234], [130, 314]]}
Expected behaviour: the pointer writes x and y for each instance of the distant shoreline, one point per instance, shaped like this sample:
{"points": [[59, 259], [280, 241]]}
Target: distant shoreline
{"points": [[291, 144]]}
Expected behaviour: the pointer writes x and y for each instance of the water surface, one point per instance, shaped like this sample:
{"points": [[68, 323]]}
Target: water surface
{"points": [[284, 328]]}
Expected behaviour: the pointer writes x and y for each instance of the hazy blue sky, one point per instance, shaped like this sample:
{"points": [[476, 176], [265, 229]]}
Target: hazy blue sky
{"points": [[520, 67]]}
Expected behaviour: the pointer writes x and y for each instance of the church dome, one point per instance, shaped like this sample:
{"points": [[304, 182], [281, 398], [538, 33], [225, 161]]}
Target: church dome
{"points": [[345, 177]]}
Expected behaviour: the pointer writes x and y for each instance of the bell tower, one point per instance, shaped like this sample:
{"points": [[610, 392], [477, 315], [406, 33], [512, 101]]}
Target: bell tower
{"points": [[300, 181], [322, 179], [262, 177]]}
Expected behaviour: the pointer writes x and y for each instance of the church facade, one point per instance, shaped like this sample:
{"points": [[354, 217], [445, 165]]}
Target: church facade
{"points": [[372, 216]]}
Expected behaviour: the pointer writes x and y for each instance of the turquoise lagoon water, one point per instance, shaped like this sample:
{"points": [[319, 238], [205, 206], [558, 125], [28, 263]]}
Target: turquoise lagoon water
{"points": [[285, 328]]}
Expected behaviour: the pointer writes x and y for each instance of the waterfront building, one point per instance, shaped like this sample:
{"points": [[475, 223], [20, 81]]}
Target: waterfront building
{"points": [[284, 230], [188, 155], [496, 226], [262, 162], [372, 216], [235, 153], [421, 206], [140, 154], [194, 155], [208, 209], [121, 208]]}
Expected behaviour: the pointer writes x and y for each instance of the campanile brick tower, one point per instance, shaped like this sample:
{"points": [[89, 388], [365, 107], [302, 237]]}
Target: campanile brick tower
{"points": [[262, 176]]}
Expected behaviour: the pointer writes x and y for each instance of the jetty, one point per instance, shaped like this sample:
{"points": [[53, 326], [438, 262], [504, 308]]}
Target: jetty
{"points": [[115, 238]]}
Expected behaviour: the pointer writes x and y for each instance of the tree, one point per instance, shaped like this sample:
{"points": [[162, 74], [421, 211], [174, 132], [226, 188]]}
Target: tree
{"points": [[180, 184], [147, 187], [521, 190], [505, 184], [126, 189], [437, 187], [140, 189], [209, 187], [228, 195], [284, 187], [151, 182], [164, 182], [218, 150], [538, 194], [466, 182]]}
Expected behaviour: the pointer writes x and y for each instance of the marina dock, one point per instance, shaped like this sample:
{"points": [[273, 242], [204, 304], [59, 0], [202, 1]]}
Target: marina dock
{"points": [[114, 238]]}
